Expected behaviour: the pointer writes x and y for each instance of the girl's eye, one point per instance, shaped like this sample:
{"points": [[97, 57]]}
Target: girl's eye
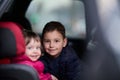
{"points": [[37, 47], [29, 47]]}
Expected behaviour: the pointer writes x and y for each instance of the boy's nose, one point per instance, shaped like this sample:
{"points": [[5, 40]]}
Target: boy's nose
{"points": [[51, 44]]}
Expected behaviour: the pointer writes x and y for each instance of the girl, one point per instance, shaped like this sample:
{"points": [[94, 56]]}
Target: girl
{"points": [[32, 54]]}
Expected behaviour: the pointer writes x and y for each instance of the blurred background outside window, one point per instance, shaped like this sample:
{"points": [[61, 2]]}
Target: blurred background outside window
{"points": [[69, 12]]}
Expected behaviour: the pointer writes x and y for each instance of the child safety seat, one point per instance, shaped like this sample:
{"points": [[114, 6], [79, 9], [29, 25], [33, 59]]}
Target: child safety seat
{"points": [[12, 45]]}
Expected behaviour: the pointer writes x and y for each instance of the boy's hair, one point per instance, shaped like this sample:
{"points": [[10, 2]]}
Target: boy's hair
{"points": [[52, 26], [28, 35]]}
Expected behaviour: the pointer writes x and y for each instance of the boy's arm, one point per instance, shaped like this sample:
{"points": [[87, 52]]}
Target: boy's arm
{"points": [[73, 66], [43, 59]]}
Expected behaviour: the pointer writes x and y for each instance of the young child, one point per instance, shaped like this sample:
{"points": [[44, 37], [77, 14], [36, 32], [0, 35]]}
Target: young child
{"points": [[32, 54], [59, 58]]}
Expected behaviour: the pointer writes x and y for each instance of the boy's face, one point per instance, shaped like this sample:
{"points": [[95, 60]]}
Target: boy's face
{"points": [[53, 43], [33, 50]]}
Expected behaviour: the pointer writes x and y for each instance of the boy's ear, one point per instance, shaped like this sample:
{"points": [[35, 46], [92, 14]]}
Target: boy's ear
{"points": [[65, 42]]}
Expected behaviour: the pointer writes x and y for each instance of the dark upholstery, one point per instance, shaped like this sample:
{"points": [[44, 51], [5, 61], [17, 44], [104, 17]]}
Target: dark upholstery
{"points": [[17, 72], [12, 45], [6, 40]]}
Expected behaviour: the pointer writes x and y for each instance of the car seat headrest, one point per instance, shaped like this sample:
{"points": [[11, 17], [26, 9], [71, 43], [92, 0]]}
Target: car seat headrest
{"points": [[11, 40]]}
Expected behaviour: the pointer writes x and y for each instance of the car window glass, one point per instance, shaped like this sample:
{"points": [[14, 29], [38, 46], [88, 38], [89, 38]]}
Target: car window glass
{"points": [[69, 13]]}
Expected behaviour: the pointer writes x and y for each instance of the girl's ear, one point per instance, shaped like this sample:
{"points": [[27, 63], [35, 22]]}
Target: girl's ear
{"points": [[65, 42]]}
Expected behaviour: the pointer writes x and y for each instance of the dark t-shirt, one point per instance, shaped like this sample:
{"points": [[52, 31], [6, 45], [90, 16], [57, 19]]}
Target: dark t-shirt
{"points": [[67, 66]]}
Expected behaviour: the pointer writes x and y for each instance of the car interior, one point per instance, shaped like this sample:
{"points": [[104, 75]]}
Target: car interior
{"points": [[30, 19], [92, 29]]}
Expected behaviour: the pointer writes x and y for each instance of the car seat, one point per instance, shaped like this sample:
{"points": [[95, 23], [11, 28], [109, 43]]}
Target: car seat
{"points": [[12, 45]]}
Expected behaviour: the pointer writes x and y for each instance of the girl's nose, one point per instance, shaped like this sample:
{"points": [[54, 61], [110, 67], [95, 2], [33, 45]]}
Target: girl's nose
{"points": [[35, 50]]}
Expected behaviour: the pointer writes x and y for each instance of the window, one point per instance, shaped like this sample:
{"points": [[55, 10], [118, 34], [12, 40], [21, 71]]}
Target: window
{"points": [[69, 12]]}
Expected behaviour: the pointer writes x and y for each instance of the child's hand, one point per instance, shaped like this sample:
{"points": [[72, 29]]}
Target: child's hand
{"points": [[53, 77]]}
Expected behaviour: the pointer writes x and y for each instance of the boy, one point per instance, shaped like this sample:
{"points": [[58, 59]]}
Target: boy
{"points": [[59, 58]]}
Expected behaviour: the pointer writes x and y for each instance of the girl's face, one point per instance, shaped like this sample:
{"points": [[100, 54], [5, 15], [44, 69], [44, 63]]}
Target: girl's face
{"points": [[53, 43], [33, 50]]}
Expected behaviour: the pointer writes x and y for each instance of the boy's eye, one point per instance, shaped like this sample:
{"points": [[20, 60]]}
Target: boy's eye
{"points": [[46, 41], [57, 40]]}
